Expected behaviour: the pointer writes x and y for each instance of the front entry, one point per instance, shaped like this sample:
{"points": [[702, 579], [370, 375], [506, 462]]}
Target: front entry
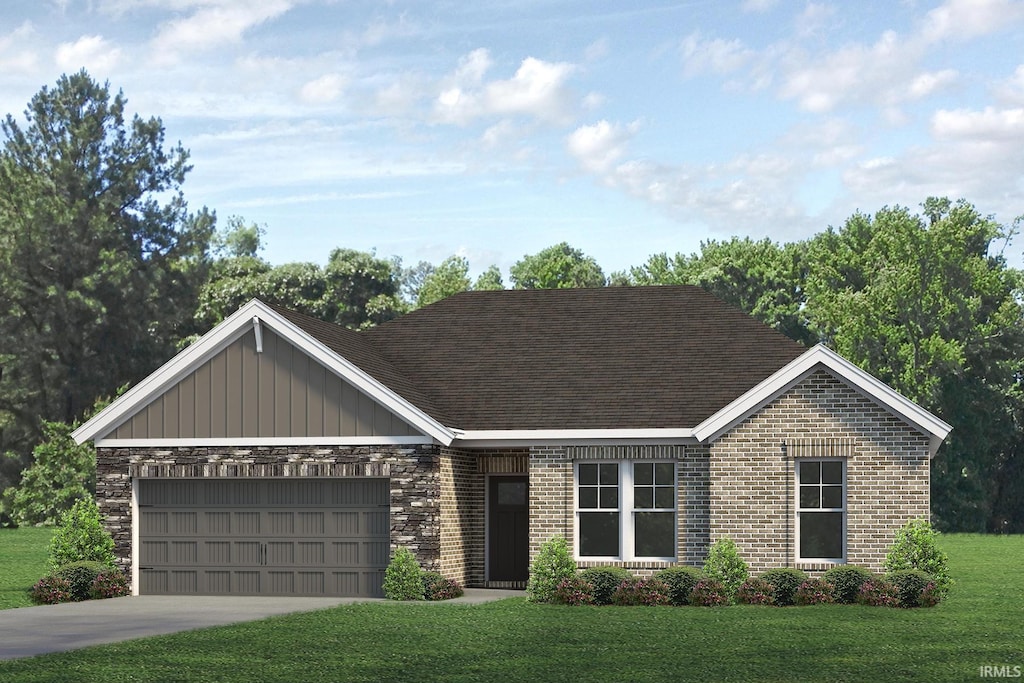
{"points": [[508, 531]]}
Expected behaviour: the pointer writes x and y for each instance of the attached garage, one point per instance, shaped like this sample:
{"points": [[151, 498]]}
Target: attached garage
{"points": [[307, 537]]}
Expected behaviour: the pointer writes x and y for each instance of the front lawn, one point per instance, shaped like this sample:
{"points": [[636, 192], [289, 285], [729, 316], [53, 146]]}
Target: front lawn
{"points": [[981, 624], [22, 563]]}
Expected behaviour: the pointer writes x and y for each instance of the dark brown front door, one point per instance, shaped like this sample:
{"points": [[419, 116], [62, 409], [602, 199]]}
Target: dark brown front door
{"points": [[509, 531]]}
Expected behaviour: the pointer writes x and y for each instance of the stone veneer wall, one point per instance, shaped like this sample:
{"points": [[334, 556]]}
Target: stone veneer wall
{"points": [[413, 471], [551, 497], [752, 483], [463, 476]]}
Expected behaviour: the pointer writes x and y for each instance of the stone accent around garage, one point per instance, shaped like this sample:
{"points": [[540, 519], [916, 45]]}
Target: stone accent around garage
{"points": [[414, 473], [752, 484]]}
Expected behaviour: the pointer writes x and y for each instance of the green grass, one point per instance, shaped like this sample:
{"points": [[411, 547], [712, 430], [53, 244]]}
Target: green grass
{"points": [[22, 563], [982, 623]]}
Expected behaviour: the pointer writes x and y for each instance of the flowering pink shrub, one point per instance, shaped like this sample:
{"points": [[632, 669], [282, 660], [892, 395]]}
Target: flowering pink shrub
{"points": [[878, 593], [647, 592], [815, 592], [709, 593], [109, 584], [574, 590], [930, 595], [437, 587], [756, 592], [50, 590]]}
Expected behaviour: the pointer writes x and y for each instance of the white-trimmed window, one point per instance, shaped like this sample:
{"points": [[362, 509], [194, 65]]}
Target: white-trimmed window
{"points": [[821, 510], [626, 510]]}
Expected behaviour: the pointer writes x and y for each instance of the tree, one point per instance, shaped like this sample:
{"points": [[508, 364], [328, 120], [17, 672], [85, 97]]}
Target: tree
{"points": [[364, 287], [761, 278], [451, 277], [557, 267], [928, 305], [489, 280], [100, 261], [237, 239]]}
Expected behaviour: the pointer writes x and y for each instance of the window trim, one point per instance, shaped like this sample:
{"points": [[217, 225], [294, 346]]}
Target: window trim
{"points": [[625, 509], [799, 509]]}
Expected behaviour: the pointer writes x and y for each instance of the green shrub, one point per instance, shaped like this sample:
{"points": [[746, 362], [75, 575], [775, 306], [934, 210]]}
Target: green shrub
{"points": [[80, 575], [50, 590], [80, 537], [403, 578], [756, 592], [574, 590], [847, 578], [553, 564], [815, 592], [680, 581], [785, 581], [646, 592], [916, 547], [878, 592], [110, 583], [605, 581], [909, 584], [437, 587], [709, 593], [725, 565]]}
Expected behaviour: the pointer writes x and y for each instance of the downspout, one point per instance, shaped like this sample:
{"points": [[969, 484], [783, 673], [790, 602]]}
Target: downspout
{"points": [[787, 493]]}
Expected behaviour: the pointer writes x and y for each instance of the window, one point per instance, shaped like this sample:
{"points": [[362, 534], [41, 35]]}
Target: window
{"points": [[821, 510], [626, 510]]}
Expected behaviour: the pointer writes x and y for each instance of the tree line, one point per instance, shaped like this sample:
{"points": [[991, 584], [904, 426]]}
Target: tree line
{"points": [[105, 272]]}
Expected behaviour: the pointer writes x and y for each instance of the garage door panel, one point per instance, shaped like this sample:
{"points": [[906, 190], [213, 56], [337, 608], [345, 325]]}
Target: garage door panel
{"points": [[296, 539]]}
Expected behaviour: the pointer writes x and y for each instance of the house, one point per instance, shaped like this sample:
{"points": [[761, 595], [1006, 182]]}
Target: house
{"points": [[279, 454]]}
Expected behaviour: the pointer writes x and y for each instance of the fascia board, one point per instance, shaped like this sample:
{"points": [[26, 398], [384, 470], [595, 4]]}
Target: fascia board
{"points": [[247, 442], [801, 367], [572, 437], [230, 329]]}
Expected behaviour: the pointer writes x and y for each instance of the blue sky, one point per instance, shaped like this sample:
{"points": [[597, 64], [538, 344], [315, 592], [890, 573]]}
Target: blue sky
{"points": [[494, 128]]}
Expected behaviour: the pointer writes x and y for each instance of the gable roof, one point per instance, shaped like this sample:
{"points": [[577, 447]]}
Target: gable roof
{"points": [[524, 366]]}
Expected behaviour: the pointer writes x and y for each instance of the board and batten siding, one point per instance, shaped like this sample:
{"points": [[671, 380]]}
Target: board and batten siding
{"points": [[281, 392]]}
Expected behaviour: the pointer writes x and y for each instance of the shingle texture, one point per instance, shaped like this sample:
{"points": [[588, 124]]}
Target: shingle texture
{"points": [[617, 357]]}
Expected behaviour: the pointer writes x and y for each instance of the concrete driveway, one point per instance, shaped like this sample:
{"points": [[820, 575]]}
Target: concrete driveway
{"points": [[29, 631]]}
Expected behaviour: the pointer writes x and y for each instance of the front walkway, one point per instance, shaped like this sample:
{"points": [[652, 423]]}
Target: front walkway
{"points": [[29, 631]]}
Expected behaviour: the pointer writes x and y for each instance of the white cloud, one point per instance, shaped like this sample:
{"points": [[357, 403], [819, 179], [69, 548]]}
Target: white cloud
{"points": [[596, 50], [92, 52], [927, 83], [537, 90], [965, 19], [322, 90], [598, 146], [1011, 91], [813, 18], [987, 126], [714, 56], [213, 24], [758, 6], [17, 51]]}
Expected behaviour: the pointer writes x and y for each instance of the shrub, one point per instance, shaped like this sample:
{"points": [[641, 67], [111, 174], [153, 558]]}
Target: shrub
{"points": [[709, 593], [80, 537], [604, 581], [574, 590], [109, 583], [756, 592], [80, 576], [726, 566], [553, 564], [909, 584], [785, 581], [647, 592], [437, 587], [50, 590], [847, 579], [929, 596], [815, 592], [680, 581], [403, 578], [878, 592], [916, 547]]}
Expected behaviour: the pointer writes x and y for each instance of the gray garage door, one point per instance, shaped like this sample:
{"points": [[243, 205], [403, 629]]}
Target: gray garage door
{"points": [[263, 537]]}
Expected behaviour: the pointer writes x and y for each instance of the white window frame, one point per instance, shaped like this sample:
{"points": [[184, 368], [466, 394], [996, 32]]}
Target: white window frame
{"points": [[625, 510], [799, 510]]}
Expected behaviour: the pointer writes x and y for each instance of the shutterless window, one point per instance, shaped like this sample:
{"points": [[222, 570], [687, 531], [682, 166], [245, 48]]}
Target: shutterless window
{"points": [[821, 509], [626, 510]]}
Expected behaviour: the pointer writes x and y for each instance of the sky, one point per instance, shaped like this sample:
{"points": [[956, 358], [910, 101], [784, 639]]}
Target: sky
{"points": [[492, 129]]}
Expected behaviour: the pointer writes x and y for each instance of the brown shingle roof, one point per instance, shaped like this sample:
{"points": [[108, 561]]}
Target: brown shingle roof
{"points": [[617, 357]]}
